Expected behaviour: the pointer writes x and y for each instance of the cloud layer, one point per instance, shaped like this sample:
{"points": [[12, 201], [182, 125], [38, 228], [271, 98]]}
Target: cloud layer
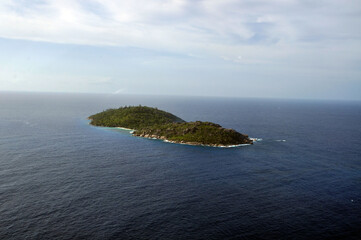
{"points": [[241, 30], [270, 47]]}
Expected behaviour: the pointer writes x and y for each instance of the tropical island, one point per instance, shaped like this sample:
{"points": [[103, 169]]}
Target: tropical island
{"points": [[153, 123]]}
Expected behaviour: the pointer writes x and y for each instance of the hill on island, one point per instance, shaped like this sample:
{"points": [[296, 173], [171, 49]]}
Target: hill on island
{"points": [[133, 117], [157, 124], [205, 133]]}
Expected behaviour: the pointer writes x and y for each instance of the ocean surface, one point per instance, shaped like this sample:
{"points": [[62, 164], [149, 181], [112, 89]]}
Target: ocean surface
{"points": [[61, 178]]}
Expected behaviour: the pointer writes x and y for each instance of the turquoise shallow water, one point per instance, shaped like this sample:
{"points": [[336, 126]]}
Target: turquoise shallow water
{"points": [[63, 179]]}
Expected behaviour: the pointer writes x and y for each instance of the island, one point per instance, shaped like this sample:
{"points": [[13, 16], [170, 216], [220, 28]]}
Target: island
{"points": [[153, 123]]}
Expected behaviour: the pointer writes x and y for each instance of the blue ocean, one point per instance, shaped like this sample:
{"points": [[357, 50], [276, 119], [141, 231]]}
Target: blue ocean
{"points": [[61, 178]]}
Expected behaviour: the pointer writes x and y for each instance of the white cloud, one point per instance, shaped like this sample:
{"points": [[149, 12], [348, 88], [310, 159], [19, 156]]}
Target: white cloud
{"points": [[120, 90], [259, 30]]}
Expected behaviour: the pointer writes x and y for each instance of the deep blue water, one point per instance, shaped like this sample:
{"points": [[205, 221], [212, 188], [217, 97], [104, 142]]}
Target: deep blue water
{"points": [[61, 178]]}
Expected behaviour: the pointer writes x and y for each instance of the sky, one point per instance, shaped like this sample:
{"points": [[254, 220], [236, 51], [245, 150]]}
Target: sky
{"points": [[228, 48]]}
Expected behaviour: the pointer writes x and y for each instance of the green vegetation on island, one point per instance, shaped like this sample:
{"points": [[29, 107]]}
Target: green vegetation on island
{"points": [[154, 123], [205, 133], [133, 117]]}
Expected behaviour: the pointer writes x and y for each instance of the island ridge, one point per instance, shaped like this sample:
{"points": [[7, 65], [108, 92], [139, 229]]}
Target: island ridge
{"points": [[157, 124]]}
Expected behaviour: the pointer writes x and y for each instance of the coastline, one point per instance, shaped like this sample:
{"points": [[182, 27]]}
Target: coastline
{"points": [[155, 137], [123, 128], [208, 145]]}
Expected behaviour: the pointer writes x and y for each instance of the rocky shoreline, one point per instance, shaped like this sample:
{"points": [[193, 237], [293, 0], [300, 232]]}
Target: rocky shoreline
{"points": [[149, 136]]}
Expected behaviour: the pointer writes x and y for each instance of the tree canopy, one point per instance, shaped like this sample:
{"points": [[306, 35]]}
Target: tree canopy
{"points": [[133, 117]]}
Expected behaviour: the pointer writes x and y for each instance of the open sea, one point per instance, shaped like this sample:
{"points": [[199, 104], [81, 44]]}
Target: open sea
{"points": [[61, 178]]}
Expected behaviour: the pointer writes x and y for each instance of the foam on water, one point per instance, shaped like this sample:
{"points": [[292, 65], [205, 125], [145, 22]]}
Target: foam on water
{"points": [[256, 139]]}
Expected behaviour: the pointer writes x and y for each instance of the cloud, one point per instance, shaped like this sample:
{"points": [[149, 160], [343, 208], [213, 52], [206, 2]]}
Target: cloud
{"points": [[120, 90], [101, 80], [260, 31]]}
